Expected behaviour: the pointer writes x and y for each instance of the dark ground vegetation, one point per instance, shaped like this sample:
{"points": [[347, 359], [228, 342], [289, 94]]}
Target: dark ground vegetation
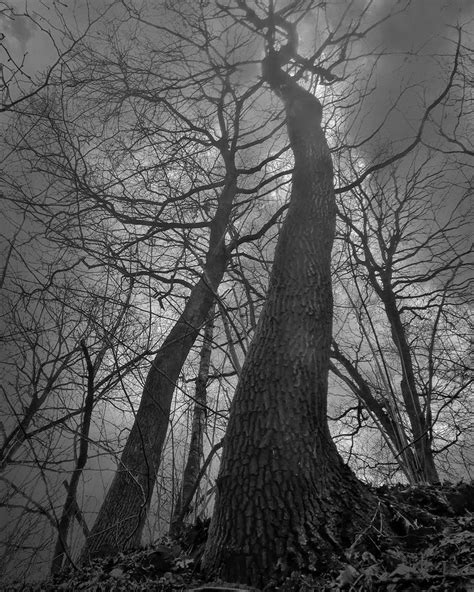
{"points": [[432, 548]]}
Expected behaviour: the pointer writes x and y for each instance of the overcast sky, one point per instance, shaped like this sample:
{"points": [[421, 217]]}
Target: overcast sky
{"points": [[425, 28], [414, 41]]}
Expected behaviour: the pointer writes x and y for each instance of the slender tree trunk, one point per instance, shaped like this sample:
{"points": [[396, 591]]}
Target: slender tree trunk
{"points": [[413, 447], [390, 427], [422, 442], [195, 454], [70, 505], [285, 500], [121, 518]]}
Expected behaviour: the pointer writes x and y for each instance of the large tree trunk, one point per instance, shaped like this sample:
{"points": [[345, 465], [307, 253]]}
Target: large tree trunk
{"points": [[122, 516], [285, 500], [196, 447]]}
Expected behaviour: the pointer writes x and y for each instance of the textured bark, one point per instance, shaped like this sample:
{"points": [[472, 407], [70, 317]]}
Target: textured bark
{"points": [[122, 516], [285, 500], [195, 454]]}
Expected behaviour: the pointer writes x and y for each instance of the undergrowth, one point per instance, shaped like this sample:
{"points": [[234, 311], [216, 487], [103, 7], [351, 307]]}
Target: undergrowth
{"points": [[432, 549]]}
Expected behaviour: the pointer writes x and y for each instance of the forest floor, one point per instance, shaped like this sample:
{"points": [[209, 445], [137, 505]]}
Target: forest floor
{"points": [[432, 549]]}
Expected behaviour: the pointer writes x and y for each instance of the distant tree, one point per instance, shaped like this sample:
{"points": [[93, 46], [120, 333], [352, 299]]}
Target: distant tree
{"points": [[71, 509], [43, 370], [196, 446], [402, 293]]}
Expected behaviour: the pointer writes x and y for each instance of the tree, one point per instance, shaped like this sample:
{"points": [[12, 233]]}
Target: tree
{"points": [[120, 521], [407, 270], [70, 509], [196, 446], [285, 500], [44, 373]]}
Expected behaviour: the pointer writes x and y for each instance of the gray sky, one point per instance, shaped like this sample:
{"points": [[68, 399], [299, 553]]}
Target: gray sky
{"points": [[414, 40]]}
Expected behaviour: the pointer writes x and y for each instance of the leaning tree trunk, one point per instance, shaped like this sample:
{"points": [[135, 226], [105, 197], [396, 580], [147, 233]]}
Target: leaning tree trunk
{"points": [[121, 518], [285, 500]]}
